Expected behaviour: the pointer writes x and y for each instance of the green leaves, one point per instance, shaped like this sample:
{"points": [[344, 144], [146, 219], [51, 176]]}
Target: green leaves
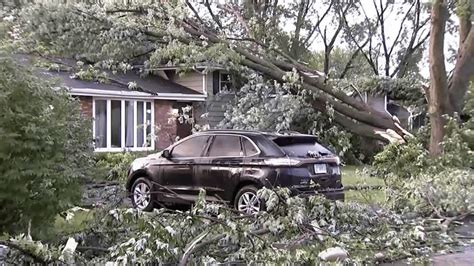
{"points": [[45, 150], [419, 183], [291, 230], [294, 231], [269, 106]]}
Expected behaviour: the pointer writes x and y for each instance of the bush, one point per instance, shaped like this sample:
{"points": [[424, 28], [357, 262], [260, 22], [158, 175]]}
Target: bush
{"points": [[434, 186], [448, 192], [115, 166], [404, 161], [45, 150]]}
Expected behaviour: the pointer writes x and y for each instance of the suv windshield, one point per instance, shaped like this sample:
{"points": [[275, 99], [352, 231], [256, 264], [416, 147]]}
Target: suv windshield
{"points": [[301, 146]]}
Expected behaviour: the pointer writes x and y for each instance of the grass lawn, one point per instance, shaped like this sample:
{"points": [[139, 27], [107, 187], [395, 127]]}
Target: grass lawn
{"points": [[62, 227], [351, 178], [78, 222]]}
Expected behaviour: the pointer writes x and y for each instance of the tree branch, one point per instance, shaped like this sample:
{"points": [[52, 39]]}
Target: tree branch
{"points": [[401, 68], [401, 28], [353, 57], [369, 116], [196, 14], [367, 56], [25, 251], [381, 21], [214, 17], [316, 26], [463, 73], [196, 243]]}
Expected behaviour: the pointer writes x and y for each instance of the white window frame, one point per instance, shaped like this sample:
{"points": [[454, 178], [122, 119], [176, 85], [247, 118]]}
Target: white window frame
{"points": [[122, 124], [228, 91]]}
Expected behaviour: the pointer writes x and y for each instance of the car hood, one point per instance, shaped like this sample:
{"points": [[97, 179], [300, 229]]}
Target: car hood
{"points": [[142, 162]]}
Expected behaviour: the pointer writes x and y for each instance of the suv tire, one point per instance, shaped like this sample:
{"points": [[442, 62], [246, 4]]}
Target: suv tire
{"points": [[141, 196], [246, 200]]}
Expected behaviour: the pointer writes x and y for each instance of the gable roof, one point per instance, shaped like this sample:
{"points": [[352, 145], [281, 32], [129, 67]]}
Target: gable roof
{"points": [[119, 82], [154, 87], [198, 66], [153, 84]]}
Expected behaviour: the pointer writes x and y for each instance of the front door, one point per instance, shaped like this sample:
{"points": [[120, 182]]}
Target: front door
{"points": [[178, 172], [220, 170], [183, 121]]}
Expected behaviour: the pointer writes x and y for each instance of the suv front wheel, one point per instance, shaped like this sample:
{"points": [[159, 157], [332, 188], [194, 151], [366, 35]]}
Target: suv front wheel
{"points": [[246, 200], [141, 194]]}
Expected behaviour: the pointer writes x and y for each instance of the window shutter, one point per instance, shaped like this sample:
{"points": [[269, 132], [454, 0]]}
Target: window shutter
{"points": [[215, 82]]}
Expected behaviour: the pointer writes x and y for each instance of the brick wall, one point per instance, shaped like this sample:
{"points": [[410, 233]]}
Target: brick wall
{"points": [[86, 105], [166, 134], [167, 131]]}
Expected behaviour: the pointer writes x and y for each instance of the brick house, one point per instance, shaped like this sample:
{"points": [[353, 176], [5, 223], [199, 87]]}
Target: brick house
{"points": [[139, 113]]}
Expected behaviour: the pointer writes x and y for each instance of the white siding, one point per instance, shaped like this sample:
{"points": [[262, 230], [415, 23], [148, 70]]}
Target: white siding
{"points": [[192, 80], [377, 102]]}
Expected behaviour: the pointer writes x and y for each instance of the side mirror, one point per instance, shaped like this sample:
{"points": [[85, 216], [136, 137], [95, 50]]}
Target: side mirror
{"points": [[166, 154]]}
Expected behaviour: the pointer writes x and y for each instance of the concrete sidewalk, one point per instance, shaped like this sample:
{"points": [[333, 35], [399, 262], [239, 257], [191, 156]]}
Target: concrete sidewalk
{"points": [[465, 257]]}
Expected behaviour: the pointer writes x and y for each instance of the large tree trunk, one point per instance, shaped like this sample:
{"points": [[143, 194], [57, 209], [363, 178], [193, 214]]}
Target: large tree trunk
{"points": [[438, 95], [464, 69], [360, 118]]}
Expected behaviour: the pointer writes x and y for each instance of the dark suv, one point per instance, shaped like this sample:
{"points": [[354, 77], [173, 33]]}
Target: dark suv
{"points": [[231, 166]]}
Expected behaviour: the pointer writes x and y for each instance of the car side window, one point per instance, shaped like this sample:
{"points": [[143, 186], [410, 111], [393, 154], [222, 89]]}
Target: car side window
{"points": [[249, 148], [192, 147], [226, 146]]}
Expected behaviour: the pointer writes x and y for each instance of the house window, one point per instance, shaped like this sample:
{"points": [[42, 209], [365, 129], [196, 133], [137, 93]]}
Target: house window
{"points": [[225, 82], [123, 124]]}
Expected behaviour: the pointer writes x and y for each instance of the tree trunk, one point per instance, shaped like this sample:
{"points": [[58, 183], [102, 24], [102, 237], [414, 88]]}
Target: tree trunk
{"points": [[438, 92], [359, 117], [464, 69], [463, 73]]}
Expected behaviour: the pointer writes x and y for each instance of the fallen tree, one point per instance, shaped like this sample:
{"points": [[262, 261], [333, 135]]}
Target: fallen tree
{"points": [[162, 33], [238, 37], [291, 230]]}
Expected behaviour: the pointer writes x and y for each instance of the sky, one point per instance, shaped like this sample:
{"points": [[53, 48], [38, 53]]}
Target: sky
{"points": [[392, 25]]}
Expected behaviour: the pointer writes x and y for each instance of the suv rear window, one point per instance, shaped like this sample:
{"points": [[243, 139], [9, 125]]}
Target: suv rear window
{"points": [[301, 146]]}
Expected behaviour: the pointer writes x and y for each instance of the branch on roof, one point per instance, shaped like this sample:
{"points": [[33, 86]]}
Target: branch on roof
{"points": [[214, 17]]}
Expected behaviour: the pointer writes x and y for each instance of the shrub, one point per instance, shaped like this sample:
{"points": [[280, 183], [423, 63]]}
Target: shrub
{"points": [[450, 191], [115, 166], [45, 150], [417, 182], [404, 161]]}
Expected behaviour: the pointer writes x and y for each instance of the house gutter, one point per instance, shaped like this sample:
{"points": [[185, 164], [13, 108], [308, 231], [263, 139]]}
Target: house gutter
{"points": [[137, 95]]}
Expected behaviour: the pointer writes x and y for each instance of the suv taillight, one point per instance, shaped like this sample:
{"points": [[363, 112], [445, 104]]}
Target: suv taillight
{"points": [[282, 162]]}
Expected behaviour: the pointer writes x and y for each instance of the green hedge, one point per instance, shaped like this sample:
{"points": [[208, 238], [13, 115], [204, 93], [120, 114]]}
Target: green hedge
{"points": [[45, 151], [114, 166]]}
